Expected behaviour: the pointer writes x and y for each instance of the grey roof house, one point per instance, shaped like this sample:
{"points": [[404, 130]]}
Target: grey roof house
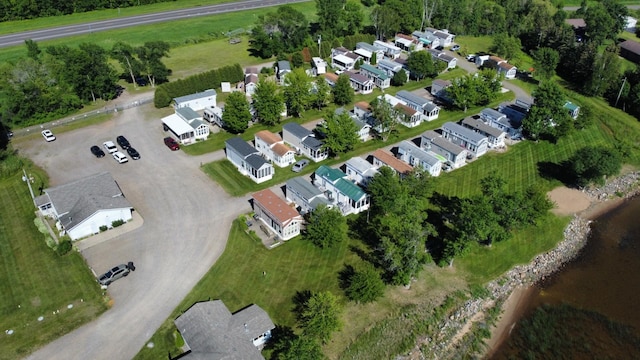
{"points": [[306, 196], [248, 161], [427, 108], [496, 136], [475, 143], [455, 155], [212, 332], [417, 157], [304, 141], [81, 207]]}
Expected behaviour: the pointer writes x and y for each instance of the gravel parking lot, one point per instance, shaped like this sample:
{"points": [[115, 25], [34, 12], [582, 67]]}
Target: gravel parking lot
{"points": [[186, 222]]}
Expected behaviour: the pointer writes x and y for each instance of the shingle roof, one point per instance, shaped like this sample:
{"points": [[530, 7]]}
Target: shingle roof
{"points": [[187, 113], [396, 164], [409, 147], [268, 137], [361, 79], [482, 127], [405, 109], [366, 46], [296, 130], [447, 145], [256, 161], [330, 174], [631, 46], [491, 113], [412, 98], [303, 187], [199, 95], [331, 77], [281, 149], [576, 23], [459, 129], [212, 332], [284, 65], [312, 143], [240, 146], [276, 207], [363, 105]]}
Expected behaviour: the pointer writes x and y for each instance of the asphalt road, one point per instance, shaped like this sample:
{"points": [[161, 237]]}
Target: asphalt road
{"points": [[86, 28], [186, 215]]}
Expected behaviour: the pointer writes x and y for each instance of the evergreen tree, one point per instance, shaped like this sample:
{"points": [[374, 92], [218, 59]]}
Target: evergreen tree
{"points": [[342, 91]]}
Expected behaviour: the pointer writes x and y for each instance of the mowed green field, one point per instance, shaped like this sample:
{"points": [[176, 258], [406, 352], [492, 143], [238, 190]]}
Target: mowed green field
{"points": [[35, 281], [179, 34]]}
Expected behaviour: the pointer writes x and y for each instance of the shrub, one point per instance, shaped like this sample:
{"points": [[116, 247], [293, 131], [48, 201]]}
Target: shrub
{"points": [[42, 227], [64, 247], [50, 242], [117, 223], [103, 228]]}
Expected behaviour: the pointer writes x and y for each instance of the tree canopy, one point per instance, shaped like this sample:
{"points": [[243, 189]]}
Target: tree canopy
{"points": [[342, 91], [547, 116], [320, 316], [592, 164], [340, 132], [236, 115], [297, 91], [326, 227], [268, 102]]}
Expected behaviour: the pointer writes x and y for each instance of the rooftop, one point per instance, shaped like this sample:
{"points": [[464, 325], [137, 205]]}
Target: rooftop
{"points": [[195, 96], [330, 174], [240, 146], [276, 207], [268, 137], [482, 127], [463, 131], [411, 98], [296, 130], [400, 166]]}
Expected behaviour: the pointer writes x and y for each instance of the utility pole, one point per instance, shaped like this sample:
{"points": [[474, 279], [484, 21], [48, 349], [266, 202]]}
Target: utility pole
{"points": [[624, 81], [319, 42], [26, 179]]}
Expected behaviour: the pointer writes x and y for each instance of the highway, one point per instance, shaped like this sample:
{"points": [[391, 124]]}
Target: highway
{"points": [[119, 23]]}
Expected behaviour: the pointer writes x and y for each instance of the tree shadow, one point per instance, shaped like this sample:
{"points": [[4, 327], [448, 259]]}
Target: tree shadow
{"points": [[552, 171], [300, 300], [345, 275]]}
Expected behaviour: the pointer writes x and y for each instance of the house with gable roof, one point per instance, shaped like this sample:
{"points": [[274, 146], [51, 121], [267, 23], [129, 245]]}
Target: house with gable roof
{"points": [[275, 213], [343, 59], [502, 67], [272, 147], [331, 79], [82, 206], [318, 66], [363, 49], [391, 67], [250, 80], [382, 158], [456, 156], [407, 43], [187, 125], [477, 144], [306, 196], [439, 89], [210, 331], [379, 77], [437, 55], [360, 83], [248, 160], [429, 111], [360, 171], [494, 135], [427, 39], [391, 51], [283, 67], [417, 157], [198, 101], [304, 141], [344, 194], [362, 110], [573, 109]]}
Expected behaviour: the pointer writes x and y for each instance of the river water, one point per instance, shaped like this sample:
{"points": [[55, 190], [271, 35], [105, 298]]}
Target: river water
{"points": [[602, 290]]}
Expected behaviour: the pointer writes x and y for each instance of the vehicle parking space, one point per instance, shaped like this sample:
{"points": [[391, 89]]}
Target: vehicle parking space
{"points": [[186, 222]]}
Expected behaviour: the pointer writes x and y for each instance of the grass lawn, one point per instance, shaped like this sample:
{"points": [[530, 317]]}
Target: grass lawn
{"points": [[179, 34], [236, 278], [35, 281]]}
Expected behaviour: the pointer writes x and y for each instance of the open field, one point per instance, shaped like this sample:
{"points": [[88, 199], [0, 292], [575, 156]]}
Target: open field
{"points": [[98, 15], [177, 33], [35, 281]]}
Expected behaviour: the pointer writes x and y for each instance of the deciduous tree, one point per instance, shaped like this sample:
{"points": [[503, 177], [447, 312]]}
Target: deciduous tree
{"points": [[236, 115], [150, 55], [385, 117], [321, 316], [365, 285], [340, 133], [593, 163], [420, 64], [546, 60], [322, 93], [326, 227], [268, 102], [297, 91], [342, 91]]}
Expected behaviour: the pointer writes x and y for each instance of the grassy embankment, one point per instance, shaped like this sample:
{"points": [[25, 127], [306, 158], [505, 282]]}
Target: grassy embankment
{"points": [[35, 281]]}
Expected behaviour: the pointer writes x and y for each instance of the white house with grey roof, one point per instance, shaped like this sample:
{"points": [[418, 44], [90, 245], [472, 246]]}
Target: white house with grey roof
{"points": [[367, 50], [81, 207], [456, 156], [494, 135], [477, 144], [417, 157], [248, 160], [391, 67], [360, 171], [390, 50], [304, 141], [428, 40], [437, 55], [210, 331], [306, 196], [187, 125], [429, 111], [379, 77], [198, 101], [360, 83], [283, 67]]}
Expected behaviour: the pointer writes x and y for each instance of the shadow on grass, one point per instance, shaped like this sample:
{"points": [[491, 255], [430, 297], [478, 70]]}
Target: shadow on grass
{"points": [[345, 275], [553, 171], [300, 300]]}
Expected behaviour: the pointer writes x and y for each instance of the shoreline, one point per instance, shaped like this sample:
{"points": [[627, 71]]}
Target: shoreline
{"points": [[576, 235]]}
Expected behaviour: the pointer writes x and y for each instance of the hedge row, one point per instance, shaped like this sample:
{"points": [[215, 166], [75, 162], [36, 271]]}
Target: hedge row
{"points": [[166, 92]]}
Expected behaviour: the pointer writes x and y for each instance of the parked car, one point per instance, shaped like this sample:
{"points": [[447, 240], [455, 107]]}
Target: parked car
{"points": [[114, 274], [471, 57], [110, 146], [171, 143], [123, 142], [95, 150], [120, 157], [299, 165], [48, 135], [133, 153], [455, 48]]}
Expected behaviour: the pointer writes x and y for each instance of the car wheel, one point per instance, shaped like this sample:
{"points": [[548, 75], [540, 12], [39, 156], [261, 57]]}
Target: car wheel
{"points": [[107, 283], [126, 274], [165, 127]]}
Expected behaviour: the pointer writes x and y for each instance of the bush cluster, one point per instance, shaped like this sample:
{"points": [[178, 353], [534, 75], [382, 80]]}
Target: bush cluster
{"points": [[166, 92]]}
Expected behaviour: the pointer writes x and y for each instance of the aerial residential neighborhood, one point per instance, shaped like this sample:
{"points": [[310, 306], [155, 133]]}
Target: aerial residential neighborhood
{"points": [[283, 189]]}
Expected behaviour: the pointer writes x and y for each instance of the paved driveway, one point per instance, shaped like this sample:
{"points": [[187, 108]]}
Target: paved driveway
{"points": [[186, 222]]}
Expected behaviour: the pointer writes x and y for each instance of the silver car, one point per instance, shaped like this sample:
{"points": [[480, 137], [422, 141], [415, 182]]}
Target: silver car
{"points": [[114, 274]]}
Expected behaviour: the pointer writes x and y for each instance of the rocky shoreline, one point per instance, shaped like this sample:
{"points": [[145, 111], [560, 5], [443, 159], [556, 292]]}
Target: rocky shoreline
{"points": [[542, 266]]}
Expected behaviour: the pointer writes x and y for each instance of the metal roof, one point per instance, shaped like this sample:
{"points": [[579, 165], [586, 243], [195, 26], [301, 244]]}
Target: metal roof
{"points": [[330, 174], [482, 127], [303, 187], [195, 96], [240, 146], [296, 130], [463, 131], [177, 124], [350, 190], [187, 113], [374, 70], [412, 98], [410, 148]]}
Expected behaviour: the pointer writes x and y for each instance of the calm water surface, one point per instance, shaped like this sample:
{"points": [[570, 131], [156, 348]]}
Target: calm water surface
{"points": [[605, 278]]}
